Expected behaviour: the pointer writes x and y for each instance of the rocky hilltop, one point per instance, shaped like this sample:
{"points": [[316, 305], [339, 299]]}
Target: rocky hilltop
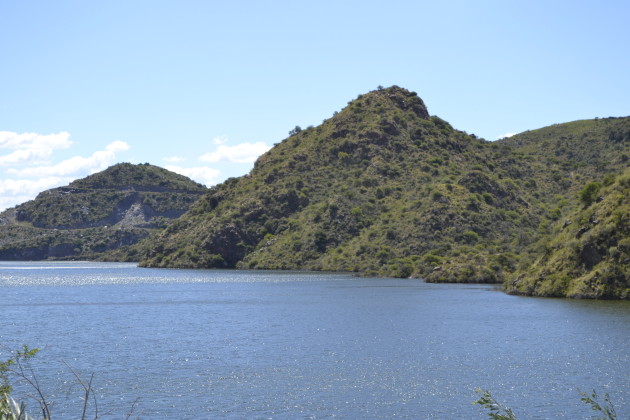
{"points": [[102, 212], [384, 188]]}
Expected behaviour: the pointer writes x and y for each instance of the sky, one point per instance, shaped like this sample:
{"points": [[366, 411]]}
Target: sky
{"points": [[203, 87]]}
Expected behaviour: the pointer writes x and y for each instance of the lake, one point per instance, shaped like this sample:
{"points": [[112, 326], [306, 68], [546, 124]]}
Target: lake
{"points": [[201, 344]]}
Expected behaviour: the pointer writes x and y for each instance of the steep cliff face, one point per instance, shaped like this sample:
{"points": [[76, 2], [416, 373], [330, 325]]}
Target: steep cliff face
{"points": [[105, 211]]}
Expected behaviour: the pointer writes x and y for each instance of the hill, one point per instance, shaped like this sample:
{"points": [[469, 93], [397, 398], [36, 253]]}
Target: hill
{"points": [[380, 188], [113, 208], [383, 188], [588, 255]]}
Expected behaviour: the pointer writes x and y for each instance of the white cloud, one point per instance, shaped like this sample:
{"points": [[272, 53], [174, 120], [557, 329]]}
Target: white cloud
{"points": [[220, 140], [506, 135], [240, 153], [17, 191], [30, 172], [31, 148], [202, 174], [173, 159], [117, 146], [76, 166]]}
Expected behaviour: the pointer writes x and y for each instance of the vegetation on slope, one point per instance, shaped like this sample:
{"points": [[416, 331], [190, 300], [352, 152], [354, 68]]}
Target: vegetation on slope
{"points": [[587, 149], [381, 188], [108, 210], [588, 254]]}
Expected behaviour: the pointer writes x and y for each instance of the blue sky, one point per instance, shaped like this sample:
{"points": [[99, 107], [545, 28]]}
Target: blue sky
{"points": [[204, 87]]}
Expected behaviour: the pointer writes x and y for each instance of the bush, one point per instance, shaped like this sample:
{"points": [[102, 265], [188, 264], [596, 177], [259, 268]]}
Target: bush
{"points": [[436, 195], [470, 237], [588, 194]]}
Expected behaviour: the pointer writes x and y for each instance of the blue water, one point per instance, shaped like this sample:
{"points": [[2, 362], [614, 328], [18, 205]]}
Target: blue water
{"points": [[185, 344]]}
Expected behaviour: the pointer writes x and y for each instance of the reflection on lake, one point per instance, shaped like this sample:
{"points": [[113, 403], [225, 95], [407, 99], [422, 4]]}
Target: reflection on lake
{"points": [[246, 344]]}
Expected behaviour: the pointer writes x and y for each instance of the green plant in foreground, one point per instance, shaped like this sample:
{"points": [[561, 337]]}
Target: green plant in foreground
{"points": [[498, 412], [7, 365], [9, 408], [18, 366], [607, 409]]}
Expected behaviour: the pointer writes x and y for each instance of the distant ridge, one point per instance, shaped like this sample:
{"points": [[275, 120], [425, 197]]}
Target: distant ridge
{"points": [[102, 212]]}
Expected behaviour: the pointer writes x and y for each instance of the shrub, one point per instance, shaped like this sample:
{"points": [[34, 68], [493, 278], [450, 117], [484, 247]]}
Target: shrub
{"points": [[608, 180], [470, 237], [588, 194], [344, 157], [295, 130]]}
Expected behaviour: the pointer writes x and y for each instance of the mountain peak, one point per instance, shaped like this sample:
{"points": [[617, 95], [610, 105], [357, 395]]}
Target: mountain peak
{"points": [[394, 97], [137, 176]]}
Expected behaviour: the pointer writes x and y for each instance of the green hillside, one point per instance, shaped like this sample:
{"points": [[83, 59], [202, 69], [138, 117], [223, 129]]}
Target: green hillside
{"points": [[563, 156], [588, 254], [113, 208], [383, 188], [379, 188]]}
